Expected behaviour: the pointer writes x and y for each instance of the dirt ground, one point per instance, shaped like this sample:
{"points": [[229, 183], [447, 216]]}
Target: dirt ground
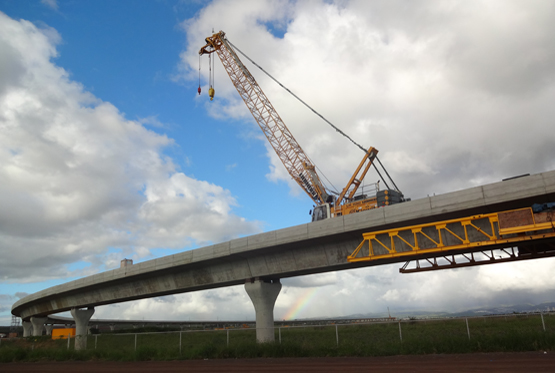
{"points": [[495, 362]]}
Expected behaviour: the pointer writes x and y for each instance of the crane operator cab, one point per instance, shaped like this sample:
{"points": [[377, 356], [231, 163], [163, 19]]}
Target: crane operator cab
{"points": [[321, 212]]}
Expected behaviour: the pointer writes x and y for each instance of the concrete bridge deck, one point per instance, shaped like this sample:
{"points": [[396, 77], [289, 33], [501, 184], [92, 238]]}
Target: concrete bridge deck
{"points": [[305, 249]]}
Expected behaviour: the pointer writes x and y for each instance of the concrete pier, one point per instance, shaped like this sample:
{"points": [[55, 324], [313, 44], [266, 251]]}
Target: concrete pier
{"points": [[263, 296], [49, 328], [38, 325], [81, 318], [27, 328]]}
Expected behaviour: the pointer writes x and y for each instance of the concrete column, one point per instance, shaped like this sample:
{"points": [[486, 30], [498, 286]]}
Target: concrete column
{"points": [[38, 325], [81, 318], [27, 328], [49, 328], [263, 296]]}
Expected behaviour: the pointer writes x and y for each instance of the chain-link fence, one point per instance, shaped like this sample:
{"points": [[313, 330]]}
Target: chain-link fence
{"points": [[333, 334], [516, 332]]}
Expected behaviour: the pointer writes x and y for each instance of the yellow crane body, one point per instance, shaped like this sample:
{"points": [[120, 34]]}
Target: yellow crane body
{"points": [[297, 163]]}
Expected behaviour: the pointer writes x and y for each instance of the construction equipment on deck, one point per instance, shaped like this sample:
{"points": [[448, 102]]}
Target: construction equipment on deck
{"points": [[329, 203], [455, 242]]}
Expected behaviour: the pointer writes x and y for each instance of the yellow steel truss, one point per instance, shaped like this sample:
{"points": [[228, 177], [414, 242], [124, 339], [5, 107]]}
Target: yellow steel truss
{"points": [[474, 232]]}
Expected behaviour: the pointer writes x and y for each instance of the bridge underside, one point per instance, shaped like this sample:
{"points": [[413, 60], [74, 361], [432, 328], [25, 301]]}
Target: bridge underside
{"points": [[310, 248], [527, 251]]}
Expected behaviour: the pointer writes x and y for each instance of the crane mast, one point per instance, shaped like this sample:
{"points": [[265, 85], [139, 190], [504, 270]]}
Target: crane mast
{"points": [[286, 147], [297, 163]]}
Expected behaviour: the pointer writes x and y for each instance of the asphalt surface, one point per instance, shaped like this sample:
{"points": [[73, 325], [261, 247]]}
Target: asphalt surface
{"points": [[494, 362]]}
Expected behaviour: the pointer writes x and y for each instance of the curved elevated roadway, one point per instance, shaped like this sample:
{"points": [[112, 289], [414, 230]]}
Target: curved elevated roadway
{"points": [[305, 249]]}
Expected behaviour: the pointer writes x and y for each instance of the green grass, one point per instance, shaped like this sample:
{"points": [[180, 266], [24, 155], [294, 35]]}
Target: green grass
{"points": [[513, 333]]}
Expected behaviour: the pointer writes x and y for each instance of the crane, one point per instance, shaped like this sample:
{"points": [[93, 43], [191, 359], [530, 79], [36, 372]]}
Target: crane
{"points": [[298, 164]]}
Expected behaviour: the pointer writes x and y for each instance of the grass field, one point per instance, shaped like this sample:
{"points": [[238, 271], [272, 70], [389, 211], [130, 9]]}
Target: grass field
{"points": [[500, 334]]}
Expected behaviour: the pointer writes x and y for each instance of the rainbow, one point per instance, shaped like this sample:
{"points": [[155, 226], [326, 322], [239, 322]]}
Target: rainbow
{"points": [[301, 304]]}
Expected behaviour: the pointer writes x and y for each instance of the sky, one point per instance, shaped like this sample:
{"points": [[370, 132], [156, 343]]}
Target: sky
{"points": [[108, 152]]}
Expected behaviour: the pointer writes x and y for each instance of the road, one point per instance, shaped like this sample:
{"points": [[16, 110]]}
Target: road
{"points": [[491, 362]]}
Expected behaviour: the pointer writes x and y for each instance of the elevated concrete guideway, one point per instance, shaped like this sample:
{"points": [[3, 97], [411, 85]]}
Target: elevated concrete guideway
{"points": [[305, 249]]}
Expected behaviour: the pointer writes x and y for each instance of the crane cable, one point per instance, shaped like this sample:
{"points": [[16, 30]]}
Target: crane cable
{"points": [[199, 75], [320, 115], [210, 70], [213, 72]]}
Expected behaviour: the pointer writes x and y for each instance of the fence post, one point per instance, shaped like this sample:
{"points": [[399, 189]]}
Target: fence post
{"points": [[279, 332], [467, 329], [180, 342], [543, 322], [400, 334], [135, 341], [227, 337], [68, 340], [336, 335], [95, 340]]}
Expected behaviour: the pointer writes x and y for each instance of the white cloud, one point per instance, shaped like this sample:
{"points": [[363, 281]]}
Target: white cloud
{"points": [[202, 305], [151, 120], [448, 92], [186, 208], [391, 295], [516, 276], [50, 3], [79, 179]]}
